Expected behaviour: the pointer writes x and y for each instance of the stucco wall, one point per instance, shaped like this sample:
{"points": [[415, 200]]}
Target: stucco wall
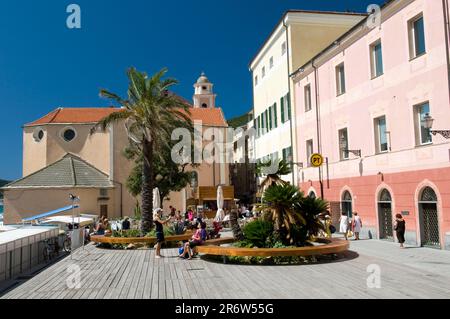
{"points": [[25, 203]]}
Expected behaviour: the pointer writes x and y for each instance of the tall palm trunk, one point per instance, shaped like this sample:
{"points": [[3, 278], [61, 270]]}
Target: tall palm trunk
{"points": [[147, 188]]}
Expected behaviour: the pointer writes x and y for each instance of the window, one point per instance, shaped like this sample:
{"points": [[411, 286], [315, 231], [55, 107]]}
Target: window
{"points": [[381, 140], [38, 134], [204, 88], [376, 59], [256, 80], [285, 108], [340, 79], [287, 155], [343, 144], [416, 30], [309, 151], [103, 192], [275, 118], [204, 105], [270, 118], [423, 135], [69, 134], [283, 48], [263, 72], [308, 98], [271, 62]]}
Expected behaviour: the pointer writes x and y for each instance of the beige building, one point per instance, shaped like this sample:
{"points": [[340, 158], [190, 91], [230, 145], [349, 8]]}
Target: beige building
{"points": [[61, 157], [297, 37]]}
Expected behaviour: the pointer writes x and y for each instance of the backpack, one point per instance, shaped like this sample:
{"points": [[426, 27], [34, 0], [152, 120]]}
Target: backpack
{"points": [[180, 250]]}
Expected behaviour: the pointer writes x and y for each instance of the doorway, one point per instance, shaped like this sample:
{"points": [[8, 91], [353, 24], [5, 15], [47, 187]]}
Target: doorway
{"points": [[429, 219], [385, 215]]}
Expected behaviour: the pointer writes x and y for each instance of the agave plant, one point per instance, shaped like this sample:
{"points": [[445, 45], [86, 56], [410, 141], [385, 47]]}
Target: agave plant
{"points": [[280, 203]]}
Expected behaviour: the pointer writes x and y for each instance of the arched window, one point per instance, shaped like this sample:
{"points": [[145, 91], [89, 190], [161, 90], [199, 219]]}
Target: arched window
{"points": [[312, 195], [204, 105], [385, 196], [347, 204], [428, 195]]}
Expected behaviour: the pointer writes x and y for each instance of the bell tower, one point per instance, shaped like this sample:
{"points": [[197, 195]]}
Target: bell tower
{"points": [[204, 96]]}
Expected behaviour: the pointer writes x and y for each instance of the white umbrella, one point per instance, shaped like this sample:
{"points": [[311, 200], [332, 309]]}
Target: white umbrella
{"points": [[156, 198], [220, 213]]}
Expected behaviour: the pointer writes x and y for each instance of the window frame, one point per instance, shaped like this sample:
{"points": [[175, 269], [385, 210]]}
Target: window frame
{"points": [[412, 37], [418, 124], [308, 99], [377, 132], [341, 88], [373, 60], [343, 156], [309, 149]]}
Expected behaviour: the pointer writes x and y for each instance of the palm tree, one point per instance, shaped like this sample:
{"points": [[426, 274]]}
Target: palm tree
{"points": [[311, 209], [273, 178], [151, 113], [280, 202]]}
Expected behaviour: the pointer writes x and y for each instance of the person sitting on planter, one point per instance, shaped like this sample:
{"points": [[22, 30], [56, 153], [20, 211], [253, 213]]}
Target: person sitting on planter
{"points": [[197, 239]]}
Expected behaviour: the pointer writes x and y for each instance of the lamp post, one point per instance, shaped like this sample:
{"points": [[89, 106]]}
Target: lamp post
{"points": [[429, 121]]}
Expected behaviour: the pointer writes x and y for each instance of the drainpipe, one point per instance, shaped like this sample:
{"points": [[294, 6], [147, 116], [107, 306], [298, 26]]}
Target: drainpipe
{"points": [[446, 30], [290, 95], [319, 142]]}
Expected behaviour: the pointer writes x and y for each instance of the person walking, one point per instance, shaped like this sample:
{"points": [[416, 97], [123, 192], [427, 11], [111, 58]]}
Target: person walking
{"points": [[357, 225], [344, 225], [400, 229], [157, 215]]}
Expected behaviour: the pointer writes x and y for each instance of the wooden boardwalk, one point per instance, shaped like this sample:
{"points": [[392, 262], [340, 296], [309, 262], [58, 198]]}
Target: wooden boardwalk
{"points": [[409, 273]]}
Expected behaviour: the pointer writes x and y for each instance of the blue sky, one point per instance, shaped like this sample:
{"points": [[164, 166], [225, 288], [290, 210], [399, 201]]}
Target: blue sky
{"points": [[44, 65]]}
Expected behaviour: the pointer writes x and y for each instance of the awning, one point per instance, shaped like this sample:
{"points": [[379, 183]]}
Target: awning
{"points": [[53, 212], [82, 221]]}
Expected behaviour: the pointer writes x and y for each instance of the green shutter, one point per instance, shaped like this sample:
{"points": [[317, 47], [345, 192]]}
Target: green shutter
{"points": [[258, 131], [267, 121], [275, 120], [289, 105], [282, 109], [270, 118]]}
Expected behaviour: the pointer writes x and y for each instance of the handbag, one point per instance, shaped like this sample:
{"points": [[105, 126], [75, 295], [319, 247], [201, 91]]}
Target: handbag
{"points": [[349, 233], [332, 229]]}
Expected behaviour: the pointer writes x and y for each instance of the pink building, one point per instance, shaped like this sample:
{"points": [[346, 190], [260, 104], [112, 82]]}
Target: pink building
{"points": [[361, 103]]}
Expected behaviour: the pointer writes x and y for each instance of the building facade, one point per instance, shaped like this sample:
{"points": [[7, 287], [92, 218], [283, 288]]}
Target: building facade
{"points": [[297, 37], [61, 156], [363, 103]]}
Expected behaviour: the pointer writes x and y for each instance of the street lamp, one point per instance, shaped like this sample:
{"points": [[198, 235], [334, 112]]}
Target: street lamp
{"points": [[343, 146], [428, 121]]}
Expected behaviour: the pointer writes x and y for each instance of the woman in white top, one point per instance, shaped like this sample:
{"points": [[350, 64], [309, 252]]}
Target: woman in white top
{"points": [[357, 225], [344, 223]]}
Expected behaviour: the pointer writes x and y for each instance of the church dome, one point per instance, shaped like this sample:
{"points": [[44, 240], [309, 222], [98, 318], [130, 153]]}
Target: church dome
{"points": [[203, 79]]}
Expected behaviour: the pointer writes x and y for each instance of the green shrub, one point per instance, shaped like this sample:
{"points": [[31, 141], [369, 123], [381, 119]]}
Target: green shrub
{"points": [[127, 233], [168, 231], [257, 232]]}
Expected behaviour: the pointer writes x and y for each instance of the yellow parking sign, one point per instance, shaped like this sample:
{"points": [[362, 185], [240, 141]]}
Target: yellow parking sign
{"points": [[316, 160]]}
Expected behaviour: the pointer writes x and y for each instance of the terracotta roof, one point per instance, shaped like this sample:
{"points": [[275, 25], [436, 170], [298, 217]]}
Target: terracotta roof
{"points": [[209, 117], [74, 115]]}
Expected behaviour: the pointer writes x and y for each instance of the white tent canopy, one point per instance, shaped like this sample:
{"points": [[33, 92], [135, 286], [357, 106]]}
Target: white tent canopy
{"points": [[156, 198], [82, 221], [220, 200]]}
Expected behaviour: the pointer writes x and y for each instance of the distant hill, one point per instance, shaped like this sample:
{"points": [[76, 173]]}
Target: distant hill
{"points": [[3, 182], [238, 121]]}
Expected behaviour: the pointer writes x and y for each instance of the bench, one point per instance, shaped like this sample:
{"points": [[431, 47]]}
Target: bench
{"points": [[333, 246], [138, 240]]}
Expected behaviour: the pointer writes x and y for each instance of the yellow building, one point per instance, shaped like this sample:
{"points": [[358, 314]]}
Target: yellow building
{"points": [[61, 157], [297, 37]]}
